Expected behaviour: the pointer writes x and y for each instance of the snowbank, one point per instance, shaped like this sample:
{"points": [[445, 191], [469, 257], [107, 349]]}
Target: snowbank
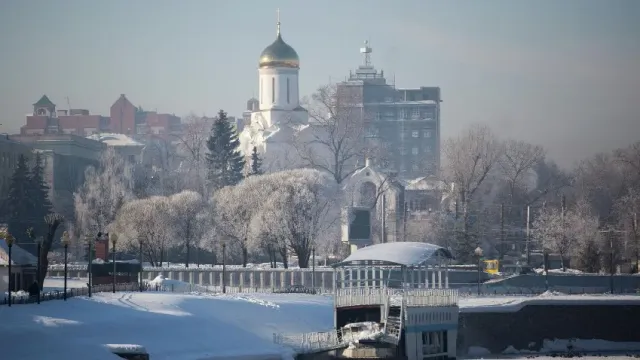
{"points": [[577, 345], [170, 326], [515, 303]]}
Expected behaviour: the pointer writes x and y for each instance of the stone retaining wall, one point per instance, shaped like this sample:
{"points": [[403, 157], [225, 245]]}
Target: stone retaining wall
{"points": [[534, 323]]}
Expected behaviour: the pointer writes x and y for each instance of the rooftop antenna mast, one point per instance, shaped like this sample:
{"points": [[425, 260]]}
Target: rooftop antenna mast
{"points": [[366, 50]]}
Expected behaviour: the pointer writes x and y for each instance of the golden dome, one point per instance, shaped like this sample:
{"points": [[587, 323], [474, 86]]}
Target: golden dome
{"points": [[279, 54]]}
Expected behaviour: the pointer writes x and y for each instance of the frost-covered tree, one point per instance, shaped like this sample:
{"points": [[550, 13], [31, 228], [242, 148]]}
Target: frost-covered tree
{"points": [[104, 191], [340, 138], [187, 220], [40, 206], [19, 206], [435, 228], [225, 162], [302, 211], [469, 159], [192, 147], [147, 223], [233, 211]]}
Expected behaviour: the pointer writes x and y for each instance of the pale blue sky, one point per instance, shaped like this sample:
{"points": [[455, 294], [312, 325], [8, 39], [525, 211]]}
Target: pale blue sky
{"points": [[562, 73]]}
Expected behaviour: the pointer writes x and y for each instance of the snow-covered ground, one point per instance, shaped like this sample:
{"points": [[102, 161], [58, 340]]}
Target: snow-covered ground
{"points": [[515, 303], [169, 325]]}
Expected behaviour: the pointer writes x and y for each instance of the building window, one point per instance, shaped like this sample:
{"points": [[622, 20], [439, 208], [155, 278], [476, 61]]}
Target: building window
{"points": [[273, 90], [389, 113], [415, 113], [415, 167], [377, 115], [288, 91], [404, 113], [414, 151], [415, 133], [428, 148], [434, 343], [427, 133], [403, 151]]}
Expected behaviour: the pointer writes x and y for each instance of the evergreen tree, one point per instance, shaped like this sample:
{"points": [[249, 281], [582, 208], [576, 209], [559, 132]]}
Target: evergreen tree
{"points": [[224, 160], [256, 162], [19, 206], [39, 195]]}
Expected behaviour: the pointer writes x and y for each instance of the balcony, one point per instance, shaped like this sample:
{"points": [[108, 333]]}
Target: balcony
{"points": [[365, 296]]}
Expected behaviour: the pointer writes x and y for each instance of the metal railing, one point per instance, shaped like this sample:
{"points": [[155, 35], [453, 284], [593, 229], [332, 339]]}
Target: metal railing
{"points": [[59, 294], [315, 341], [378, 296]]}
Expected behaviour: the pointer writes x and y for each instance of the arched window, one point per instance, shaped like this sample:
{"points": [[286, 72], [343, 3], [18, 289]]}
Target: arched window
{"points": [[367, 194], [273, 90], [288, 91]]}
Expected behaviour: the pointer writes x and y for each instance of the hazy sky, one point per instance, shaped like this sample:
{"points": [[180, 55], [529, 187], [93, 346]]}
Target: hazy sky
{"points": [[565, 74]]}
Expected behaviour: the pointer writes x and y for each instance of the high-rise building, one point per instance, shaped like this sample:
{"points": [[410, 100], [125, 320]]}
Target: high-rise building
{"points": [[405, 121]]}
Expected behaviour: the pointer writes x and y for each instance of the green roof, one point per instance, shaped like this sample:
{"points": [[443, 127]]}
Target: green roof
{"points": [[44, 101]]}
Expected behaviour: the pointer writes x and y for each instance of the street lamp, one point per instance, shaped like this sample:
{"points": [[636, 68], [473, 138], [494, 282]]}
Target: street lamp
{"points": [[39, 241], [8, 238], [65, 243], [224, 268], [114, 241], [140, 277], [313, 268], [478, 252], [89, 240]]}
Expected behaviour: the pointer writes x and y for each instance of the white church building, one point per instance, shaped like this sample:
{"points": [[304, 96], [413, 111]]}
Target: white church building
{"points": [[279, 117]]}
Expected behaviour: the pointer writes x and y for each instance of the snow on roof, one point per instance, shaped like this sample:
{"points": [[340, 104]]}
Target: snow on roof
{"points": [[19, 256], [115, 139], [400, 253], [430, 183]]}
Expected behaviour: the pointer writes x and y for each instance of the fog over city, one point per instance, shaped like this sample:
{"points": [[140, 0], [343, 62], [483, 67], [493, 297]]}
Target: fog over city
{"points": [[280, 180], [564, 75]]}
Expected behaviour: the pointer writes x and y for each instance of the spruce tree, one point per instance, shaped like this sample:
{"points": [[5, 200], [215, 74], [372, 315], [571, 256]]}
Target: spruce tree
{"points": [[19, 204], [224, 160], [256, 162], [39, 195]]}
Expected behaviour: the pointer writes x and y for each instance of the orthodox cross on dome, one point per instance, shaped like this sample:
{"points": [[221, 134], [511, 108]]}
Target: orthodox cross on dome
{"points": [[278, 23]]}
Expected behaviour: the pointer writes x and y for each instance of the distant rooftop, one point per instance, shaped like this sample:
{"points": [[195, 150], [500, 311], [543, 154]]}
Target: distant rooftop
{"points": [[399, 253], [114, 139]]}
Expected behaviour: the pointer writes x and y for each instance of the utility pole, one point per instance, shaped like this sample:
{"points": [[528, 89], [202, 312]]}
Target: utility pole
{"points": [[502, 247], [635, 240], [528, 239]]}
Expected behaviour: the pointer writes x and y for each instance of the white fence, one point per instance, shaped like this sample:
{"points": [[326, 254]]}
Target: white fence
{"points": [[413, 297]]}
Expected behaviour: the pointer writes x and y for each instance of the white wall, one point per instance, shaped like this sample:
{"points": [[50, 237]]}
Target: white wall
{"points": [[4, 280]]}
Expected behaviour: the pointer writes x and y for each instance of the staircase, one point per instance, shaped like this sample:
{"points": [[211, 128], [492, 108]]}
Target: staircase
{"points": [[393, 323]]}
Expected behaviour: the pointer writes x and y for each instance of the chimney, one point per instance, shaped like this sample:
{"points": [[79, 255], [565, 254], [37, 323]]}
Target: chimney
{"points": [[367, 162]]}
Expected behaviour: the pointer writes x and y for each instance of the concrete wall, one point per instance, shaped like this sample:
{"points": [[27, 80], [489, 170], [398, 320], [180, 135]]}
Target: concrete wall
{"points": [[621, 283], [534, 323]]}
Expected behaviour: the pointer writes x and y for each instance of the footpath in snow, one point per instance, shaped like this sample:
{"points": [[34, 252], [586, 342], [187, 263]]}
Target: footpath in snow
{"points": [[169, 325]]}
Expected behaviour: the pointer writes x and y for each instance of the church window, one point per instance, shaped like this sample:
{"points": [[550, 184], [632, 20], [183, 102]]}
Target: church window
{"points": [[288, 93], [273, 90]]}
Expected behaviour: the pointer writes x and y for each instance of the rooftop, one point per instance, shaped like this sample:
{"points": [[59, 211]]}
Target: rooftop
{"points": [[115, 139], [19, 256], [399, 253]]}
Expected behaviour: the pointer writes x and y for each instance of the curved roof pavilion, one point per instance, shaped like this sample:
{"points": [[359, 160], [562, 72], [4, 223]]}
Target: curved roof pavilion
{"points": [[408, 254]]}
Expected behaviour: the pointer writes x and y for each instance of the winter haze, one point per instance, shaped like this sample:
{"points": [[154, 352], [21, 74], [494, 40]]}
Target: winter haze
{"points": [[563, 74]]}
